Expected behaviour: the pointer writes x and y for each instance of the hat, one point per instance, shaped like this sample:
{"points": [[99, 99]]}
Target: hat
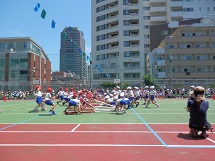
{"points": [[136, 88], [49, 89], [192, 86], [129, 87], [199, 92]]}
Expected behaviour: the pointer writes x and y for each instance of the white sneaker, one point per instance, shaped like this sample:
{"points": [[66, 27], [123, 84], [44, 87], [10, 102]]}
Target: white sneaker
{"points": [[158, 105]]}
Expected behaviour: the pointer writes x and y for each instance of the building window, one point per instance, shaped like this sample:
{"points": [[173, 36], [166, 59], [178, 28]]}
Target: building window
{"points": [[146, 27], [165, 32], [113, 65], [201, 57], [146, 36], [125, 2], [126, 43], [188, 9], [126, 12], [126, 22], [146, 45], [146, 8], [126, 54], [146, 17], [126, 33], [186, 57]]}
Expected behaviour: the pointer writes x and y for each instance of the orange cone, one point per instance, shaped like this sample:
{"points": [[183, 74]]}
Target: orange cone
{"points": [[4, 98]]}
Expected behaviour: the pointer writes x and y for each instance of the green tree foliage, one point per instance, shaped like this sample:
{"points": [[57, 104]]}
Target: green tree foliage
{"points": [[149, 81], [107, 85]]}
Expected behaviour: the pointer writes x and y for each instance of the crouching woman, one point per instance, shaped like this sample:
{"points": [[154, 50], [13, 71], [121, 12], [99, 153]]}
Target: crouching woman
{"points": [[198, 108]]}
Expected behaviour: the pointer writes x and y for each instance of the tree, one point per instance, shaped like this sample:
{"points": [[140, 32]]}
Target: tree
{"points": [[107, 85], [148, 81]]}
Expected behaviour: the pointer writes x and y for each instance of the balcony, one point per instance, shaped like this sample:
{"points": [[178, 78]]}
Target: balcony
{"points": [[176, 14], [157, 9], [158, 18], [161, 63], [175, 3], [157, 1], [195, 39]]}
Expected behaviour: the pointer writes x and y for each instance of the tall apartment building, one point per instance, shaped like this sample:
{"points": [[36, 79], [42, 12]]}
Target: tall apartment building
{"points": [[121, 34], [23, 64], [187, 56], [72, 52]]}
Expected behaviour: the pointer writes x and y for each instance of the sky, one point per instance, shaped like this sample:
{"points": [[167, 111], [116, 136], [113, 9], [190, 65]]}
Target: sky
{"points": [[18, 19]]}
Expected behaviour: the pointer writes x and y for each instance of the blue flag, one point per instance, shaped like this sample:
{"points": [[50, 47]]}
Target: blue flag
{"points": [[53, 24], [36, 8]]}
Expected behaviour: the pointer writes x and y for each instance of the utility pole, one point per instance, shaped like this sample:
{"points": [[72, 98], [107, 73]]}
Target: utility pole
{"points": [[170, 70], [91, 74]]}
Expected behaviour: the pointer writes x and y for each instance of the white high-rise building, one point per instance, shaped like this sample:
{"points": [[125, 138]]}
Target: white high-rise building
{"points": [[121, 34]]}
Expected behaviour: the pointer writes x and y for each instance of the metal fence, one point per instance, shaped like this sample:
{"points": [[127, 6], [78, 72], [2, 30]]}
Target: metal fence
{"points": [[78, 84], [29, 85]]}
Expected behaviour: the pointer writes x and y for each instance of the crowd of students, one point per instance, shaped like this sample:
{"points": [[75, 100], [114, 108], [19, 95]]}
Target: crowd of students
{"points": [[118, 98], [124, 99]]}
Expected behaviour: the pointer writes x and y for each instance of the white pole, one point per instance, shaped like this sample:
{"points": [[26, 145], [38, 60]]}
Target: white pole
{"points": [[40, 69]]}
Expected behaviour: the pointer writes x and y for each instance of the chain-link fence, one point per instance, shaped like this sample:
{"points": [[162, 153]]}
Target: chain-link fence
{"points": [[29, 85]]}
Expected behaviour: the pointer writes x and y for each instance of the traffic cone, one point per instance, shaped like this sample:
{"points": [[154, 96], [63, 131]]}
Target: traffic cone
{"points": [[4, 98]]}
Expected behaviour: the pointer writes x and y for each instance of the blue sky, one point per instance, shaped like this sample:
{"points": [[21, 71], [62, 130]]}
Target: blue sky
{"points": [[18, 19]]}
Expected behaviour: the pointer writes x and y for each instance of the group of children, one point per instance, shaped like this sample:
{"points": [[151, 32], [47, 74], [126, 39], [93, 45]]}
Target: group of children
{"points": [[121, 100], [41, 102]]}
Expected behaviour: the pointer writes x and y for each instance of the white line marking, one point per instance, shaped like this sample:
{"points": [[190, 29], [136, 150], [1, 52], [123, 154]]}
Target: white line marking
{"points": [[161, 132], [190, 146], [116, 145], [75, 128], [98, 123], [107, 145], [211, 140]]}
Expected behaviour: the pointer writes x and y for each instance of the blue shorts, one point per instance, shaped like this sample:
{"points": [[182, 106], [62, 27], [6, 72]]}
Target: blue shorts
{"points": [[128, 102], [49, 102], [122, 102], [131, 98], [152, 97], [66, 99], [146, 96], [138, 97], [113, 103], [72, 103], [61, 97], [39, 99]]}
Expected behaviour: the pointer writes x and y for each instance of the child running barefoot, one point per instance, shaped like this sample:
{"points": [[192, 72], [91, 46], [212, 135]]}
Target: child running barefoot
{"points": [[49, 102], [39, 100]]}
